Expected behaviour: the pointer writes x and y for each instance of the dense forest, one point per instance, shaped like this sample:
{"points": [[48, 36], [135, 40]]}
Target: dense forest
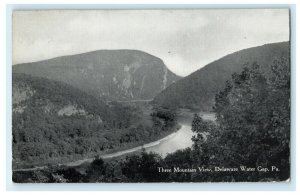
{"points": [[56, 123], [252, 129]]}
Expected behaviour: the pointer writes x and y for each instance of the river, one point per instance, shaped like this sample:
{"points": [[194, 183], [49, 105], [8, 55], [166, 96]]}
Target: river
{"points": [[182, 138], [178, 140]]}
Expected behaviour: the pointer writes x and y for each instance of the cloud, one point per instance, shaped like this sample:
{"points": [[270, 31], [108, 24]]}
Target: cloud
{"points": [[185, 40]]}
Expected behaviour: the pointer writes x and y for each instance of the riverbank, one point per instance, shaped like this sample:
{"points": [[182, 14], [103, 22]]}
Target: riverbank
{"points": [[124, 152]]}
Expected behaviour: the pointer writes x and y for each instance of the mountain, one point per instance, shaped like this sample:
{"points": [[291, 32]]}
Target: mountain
{"points": [[53, 122], [109, 74], [197, 91]]}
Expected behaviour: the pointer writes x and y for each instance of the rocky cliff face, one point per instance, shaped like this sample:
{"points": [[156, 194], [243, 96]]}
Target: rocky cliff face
{"points": [[28, 96]]}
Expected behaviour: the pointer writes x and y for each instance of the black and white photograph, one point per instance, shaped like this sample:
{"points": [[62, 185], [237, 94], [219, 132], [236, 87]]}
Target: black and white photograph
{"points": [[151, 95]]}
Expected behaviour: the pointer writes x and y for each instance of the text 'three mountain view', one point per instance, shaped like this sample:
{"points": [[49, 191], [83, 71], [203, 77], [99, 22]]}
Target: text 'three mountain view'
{"points": [[127, 96]]}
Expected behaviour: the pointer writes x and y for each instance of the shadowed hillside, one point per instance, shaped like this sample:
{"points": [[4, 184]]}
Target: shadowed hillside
{"points": [[197, 91]]}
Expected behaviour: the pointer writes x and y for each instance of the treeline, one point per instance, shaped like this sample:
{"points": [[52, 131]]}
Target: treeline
{"points": [[42, 136]]}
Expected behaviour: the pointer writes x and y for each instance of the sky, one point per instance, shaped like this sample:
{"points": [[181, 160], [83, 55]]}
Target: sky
{"points": [[185, 40]]}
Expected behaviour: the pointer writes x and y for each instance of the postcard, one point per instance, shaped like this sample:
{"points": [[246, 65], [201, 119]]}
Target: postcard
{"points": [[140, 96]]}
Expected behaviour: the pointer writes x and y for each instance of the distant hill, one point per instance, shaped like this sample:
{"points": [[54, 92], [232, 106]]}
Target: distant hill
{"points": [[107, 74], [54, 122], [197, 91]]}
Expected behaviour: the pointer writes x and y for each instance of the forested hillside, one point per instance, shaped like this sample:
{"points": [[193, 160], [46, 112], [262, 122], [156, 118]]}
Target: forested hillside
{"points": [[197, 90], [54, 122]]}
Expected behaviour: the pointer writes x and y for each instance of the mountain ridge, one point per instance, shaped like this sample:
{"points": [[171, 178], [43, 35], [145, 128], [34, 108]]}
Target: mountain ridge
{"points": [[109, 74], [197, 90]]}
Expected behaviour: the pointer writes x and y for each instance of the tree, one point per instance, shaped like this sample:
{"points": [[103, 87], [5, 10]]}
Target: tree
{"points": [[164, 116], [96, 170], [253, 117], [143, 167], [203, 148]]}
